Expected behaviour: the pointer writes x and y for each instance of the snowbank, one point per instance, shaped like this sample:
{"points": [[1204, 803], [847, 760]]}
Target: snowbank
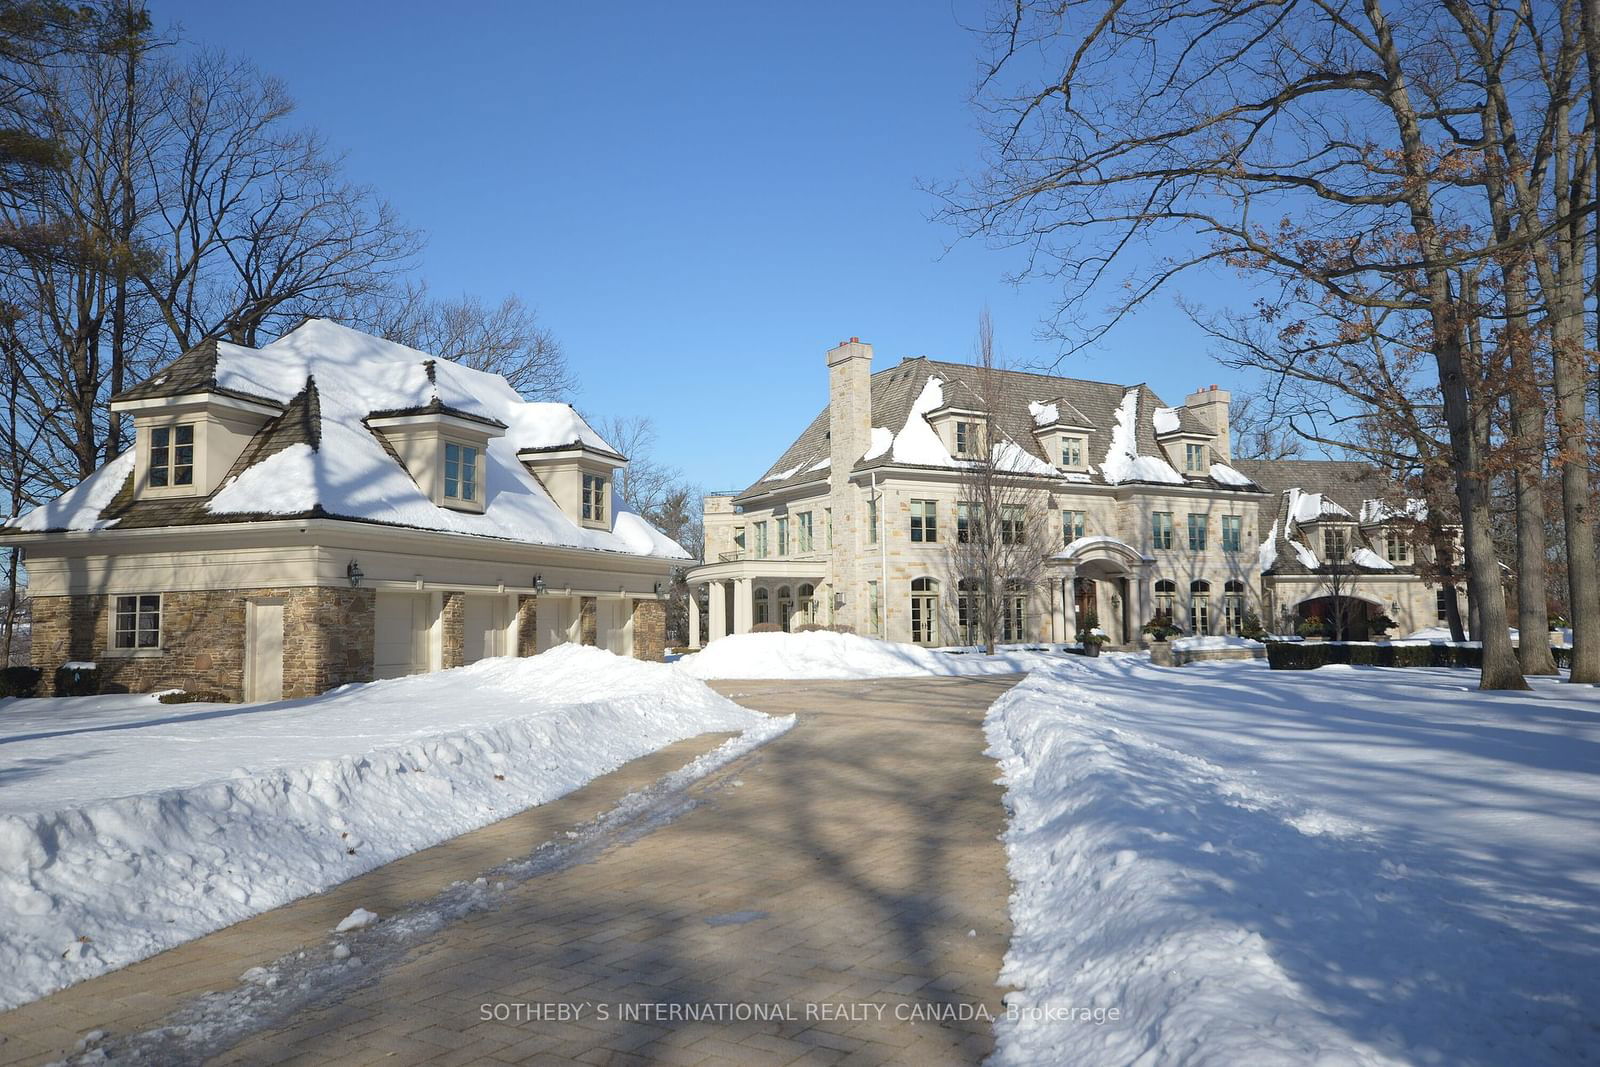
{"points": [[135, 831], [1231, 865], [821, 654], [1213, 641]]}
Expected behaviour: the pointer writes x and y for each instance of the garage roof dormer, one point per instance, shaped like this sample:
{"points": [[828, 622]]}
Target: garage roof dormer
{"points": [[188, 430], [580, 477]]}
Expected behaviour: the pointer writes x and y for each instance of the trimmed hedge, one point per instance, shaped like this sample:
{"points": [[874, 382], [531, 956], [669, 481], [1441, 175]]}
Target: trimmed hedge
{"points": [[1309, 655], [19, 681], [77, 681]]}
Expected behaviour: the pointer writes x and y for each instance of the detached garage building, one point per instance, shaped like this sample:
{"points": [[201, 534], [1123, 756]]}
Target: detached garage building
{"points": [[335, 508]]}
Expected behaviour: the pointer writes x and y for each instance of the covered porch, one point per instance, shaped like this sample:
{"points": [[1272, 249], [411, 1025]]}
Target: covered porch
{"points": [[1103, 577], [743, 594]]}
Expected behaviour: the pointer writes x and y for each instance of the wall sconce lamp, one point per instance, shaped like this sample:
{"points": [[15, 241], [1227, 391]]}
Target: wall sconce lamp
{"points": [[353, 572], [538, 585], [661, 587]]}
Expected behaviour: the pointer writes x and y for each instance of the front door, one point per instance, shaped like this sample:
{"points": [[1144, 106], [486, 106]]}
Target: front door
{"points": [[263, 669], [1084, 593]]}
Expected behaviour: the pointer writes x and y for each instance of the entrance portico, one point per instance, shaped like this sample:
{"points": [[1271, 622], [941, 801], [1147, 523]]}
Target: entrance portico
{"points": [[741, 593], [1104, 575]]}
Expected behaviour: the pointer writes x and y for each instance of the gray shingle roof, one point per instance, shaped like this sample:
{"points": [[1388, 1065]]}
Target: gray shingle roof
{"points": [[895, 389]]}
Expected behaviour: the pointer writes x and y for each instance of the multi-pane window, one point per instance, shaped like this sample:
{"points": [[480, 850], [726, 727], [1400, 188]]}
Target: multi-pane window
{"points": [[783, 537], [594, 498], [761, 540], [138, 621], [803, 532], [1396, 548], [968, 515], [738, 539], [1198, 528], [1232, 533], [1200, 607], [924, 611], [1161, 529], [1233, 607], [1335, 544], [763, 606], [872, 520], [1072, 451], [1166, 599], [969, 611], [924, 521], [171, 455], [1011, 524], [461, 478], [872, 607], [1014, 612], [966, 438], [1194, 458], [1071, 526]]}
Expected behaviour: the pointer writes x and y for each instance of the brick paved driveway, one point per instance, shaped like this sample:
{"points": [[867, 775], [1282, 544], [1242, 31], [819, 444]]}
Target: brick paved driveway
{"points": [[837, 896]]}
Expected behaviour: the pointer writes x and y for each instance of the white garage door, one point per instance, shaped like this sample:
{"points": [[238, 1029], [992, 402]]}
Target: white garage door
{"points": [[483, 624], [401, 639]]}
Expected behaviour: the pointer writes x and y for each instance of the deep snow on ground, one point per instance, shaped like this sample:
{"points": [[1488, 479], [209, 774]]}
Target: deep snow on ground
{"points": [[823, 654], [1341, 866], [128, 826]]}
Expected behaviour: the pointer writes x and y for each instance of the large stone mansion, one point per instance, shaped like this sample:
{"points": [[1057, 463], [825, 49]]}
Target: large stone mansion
{"points": [[1148, 514]]}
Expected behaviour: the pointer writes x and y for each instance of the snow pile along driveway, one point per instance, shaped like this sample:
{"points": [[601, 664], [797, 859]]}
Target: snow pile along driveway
{"points": [[1227, 865], [125, 827], [823, 654]]}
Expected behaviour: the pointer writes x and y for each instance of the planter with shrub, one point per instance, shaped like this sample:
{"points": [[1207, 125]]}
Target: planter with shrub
{"points": [[19, 681], [77, 680]]}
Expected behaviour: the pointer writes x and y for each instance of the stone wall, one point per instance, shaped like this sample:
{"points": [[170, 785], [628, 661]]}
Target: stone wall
{"points": [[327, 640], [649, 630], [452, 631], [588, 622], [527, 625]]}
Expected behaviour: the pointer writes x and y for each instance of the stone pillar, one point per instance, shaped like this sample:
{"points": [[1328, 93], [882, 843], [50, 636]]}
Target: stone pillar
{"points": [[527, 625], [719, 609], [1069, 605], [452, 631], [650, 630], [588, 621], [342, 629], [694, 617], [743, 605]]}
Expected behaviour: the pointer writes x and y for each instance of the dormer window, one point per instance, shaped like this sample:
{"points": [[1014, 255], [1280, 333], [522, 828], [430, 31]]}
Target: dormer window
{"points": [[967, 438], [460, 473], [1072, 452], [594, 498], [1194, 458], [171, 455], [1335, 544]]}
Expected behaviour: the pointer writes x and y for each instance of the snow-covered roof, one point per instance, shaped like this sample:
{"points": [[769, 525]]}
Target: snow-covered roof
{"points": [[906, 401], [1123, 463], [329, 379]]}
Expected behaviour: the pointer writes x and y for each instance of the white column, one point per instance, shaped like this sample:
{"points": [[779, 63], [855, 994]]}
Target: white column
{"points": [[743, 605], [694, 617], [719, 610], [1069, 607]]}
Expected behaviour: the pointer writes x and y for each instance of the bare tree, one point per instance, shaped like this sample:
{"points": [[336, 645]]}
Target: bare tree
{"points": [[505, 338], [1002, 539], [1297, 140], [1258, 431]]}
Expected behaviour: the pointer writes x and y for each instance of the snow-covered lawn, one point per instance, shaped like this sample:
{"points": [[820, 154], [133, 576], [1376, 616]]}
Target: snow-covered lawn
{"points": [[128, 826], [1227, 865], [822, 654]]}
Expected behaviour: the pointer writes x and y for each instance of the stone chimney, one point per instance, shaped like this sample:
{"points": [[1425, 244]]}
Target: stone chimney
{"points": [[849, 403], [849, 436], [1211, 407]]}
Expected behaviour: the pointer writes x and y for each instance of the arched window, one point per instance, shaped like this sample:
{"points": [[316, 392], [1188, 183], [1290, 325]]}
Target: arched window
{"points": [[1166, 599], [1233, 607], [924, 611], [969, 611], [785, 606], [1200, 607], [1014, 611], [763, 602], [804, 597]]}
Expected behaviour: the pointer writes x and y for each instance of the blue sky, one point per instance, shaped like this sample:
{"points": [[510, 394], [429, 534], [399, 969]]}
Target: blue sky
{"points": [[699, 198]]}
